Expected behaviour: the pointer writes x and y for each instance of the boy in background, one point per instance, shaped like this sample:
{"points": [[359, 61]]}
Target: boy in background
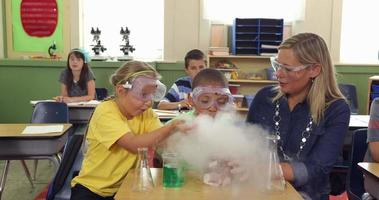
{"points": [[177, 96]]}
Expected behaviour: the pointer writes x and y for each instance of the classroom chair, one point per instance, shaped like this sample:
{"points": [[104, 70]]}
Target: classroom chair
{"points": [[49, 112], [59, 188], [350, 93], [355, 181], [101, 93]]}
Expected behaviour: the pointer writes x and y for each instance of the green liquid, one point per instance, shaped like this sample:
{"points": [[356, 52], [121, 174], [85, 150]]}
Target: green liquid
{"points": [[172, 176]]}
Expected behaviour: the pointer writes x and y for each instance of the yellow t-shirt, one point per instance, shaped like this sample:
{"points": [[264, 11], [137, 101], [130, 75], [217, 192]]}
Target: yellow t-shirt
{"points": [[105, 163]]}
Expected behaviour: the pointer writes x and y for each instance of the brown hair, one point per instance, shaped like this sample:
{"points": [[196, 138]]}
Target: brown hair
{"points": [[131, 70], [209, 76], [194, 54]]}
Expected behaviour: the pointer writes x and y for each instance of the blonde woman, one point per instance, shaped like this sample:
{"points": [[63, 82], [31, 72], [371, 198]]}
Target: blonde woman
{"points": [[307, 113], [117, 128]]}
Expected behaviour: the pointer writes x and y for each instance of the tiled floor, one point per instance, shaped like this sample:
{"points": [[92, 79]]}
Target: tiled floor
{"points": [[17, 186]]}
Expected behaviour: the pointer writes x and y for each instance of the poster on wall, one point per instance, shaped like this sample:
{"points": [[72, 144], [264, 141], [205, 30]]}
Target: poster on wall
{"points": [[36, 25]]}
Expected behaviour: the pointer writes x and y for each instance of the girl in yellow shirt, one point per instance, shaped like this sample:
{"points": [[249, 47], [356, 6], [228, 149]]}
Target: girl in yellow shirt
{"points": [[117, 128]]}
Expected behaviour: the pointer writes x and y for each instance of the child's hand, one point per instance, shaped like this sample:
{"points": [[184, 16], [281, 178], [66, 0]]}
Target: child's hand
{"points": [[58, 98], [181, 126], [62, 99], [185, 104]]}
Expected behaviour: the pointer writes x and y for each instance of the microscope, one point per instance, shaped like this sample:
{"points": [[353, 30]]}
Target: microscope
{"points": [[98, 47], [125, 48], [52, 51]]}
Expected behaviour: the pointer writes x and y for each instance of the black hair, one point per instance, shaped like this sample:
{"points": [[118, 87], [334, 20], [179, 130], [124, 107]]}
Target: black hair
{"points": [[209, 76], [194, 54]]}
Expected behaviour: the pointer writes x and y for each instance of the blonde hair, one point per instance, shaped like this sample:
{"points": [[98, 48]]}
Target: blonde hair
{"points": [[130, 70], [310, 48]]}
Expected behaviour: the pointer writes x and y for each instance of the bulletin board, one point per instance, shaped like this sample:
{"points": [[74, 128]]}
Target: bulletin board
{"points": [[24, 39], [32, 42]]}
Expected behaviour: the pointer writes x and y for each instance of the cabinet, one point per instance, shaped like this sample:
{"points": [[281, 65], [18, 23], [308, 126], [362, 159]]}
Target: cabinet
{"points": [[256, 36], [252, 73], [373, 90]]}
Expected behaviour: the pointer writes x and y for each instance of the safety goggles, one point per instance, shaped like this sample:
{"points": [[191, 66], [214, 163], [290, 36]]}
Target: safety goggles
{"points": [[205, 97], [287, 69], [146, 88]]}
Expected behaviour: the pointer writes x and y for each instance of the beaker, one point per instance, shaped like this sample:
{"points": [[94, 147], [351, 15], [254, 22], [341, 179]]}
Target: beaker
{"points": [[142, 180], [275, 178], [173, 170]]}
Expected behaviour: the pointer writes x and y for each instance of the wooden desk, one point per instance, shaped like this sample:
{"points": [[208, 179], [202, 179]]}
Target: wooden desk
{"points": [[196, 189], [371, 172], [17, 146]]}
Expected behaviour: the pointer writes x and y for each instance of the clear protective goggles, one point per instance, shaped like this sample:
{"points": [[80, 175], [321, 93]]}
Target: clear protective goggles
{"points": [[146, 88], [205, 97], [276, 66]]}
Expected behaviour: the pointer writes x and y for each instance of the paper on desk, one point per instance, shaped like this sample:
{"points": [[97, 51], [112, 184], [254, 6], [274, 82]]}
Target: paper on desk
{"points": [[42, 129], [92, 102], [37, 101], [359, 120]]}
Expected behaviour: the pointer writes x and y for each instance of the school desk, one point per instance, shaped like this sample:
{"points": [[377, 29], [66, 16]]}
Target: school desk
{"points": [[371, 172], [195, 189], [78, 112], [17, 146]]}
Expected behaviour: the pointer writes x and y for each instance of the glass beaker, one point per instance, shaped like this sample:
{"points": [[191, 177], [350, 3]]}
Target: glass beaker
{"points": [[275, 178], [173, 170], [142, 180]]}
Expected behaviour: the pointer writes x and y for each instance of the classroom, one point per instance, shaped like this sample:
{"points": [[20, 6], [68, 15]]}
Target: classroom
{"points": [[138, 83]]}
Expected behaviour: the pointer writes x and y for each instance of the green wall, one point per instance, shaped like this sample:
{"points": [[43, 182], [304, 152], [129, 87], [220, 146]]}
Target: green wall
{"points": [[25, 80]]}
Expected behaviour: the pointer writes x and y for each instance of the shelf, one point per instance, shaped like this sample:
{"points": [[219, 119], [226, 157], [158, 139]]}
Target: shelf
{"points": [[252, 81]]}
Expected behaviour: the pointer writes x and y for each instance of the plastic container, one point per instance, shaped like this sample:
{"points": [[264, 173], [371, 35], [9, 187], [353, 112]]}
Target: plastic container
{"points": [[233, 88], [375, 88], [271, 74], [249, 99], [374, 95], [238, 100]]}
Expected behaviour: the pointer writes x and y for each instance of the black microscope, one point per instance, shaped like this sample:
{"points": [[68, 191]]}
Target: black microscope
{"points": [[98, 48], [125, 48]]}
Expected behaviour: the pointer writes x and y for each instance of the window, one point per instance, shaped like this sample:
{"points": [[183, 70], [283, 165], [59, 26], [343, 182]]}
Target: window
{"points": [[144, 19], [224, 11], [359, 32]]}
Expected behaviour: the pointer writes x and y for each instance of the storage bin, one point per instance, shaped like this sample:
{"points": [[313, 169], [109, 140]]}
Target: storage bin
{"points": [[249, 99], [271, 74], [374, 95], [375, 88], [238, 100], [233, 88]]}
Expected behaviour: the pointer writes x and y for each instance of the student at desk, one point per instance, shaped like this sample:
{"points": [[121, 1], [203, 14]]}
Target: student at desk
{"points": [[372, 154], [307, 113], [117, 128], [177, 96], [77, 80]]}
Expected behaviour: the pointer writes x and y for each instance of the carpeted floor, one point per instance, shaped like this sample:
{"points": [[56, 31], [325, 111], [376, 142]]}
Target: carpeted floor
{"points": [[17, 186]]}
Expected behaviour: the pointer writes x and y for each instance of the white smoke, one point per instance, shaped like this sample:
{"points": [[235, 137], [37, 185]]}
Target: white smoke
{"points": [[225, 137]]}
